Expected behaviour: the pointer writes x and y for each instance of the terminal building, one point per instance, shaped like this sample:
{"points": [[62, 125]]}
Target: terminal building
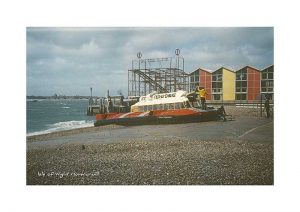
{"points": [[246, 84], [222, 85]]}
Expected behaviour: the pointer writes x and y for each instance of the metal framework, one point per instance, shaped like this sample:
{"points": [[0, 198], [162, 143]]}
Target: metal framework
{"points": [[160, 74]]}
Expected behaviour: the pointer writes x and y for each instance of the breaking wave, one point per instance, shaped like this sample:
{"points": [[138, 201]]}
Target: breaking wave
{"points": [[61, 126]]}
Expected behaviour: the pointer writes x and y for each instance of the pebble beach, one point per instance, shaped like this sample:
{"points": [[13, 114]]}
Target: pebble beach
{"points": [[237, 152]]}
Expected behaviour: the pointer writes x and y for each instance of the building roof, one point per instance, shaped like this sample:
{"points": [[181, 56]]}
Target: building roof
{"points": [[267, 67], [224, 68], [229, 69], [202, 69], [247, 66], [206, 70], [194, 71]]}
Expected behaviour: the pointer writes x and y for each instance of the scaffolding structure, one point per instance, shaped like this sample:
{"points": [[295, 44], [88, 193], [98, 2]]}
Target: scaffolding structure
{"points": [[160, 74]]}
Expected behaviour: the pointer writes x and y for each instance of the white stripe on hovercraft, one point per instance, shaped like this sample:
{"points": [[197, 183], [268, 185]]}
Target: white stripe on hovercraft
{"points": [[122, 116], [143, 114]]}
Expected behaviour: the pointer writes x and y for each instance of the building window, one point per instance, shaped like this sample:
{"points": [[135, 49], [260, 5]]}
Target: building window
{"points": [[217, 77], [193, 86], [241, 75], [267, 85], [217, 84], [267, 74], [217, 87], [217, 96], [241, 96], [270, 75], [264, 76], [241, 86], [270, 83], [217, 90]]}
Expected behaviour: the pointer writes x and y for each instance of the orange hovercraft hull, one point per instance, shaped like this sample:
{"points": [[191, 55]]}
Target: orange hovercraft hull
{"points": [[157, 117]]}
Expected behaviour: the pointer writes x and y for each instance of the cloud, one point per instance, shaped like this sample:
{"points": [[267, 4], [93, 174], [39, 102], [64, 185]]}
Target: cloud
{"points": [[70, 60]]}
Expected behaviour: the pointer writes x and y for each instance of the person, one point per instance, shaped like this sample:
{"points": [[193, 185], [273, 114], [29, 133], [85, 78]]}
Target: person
{"points": [[222, 113], [108, 105], [267, 106], [202, 94]]}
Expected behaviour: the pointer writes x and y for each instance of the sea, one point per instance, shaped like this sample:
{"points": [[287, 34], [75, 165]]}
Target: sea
{"points": [[44, 116]]}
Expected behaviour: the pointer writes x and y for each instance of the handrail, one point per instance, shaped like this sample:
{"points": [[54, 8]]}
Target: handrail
{"points": [[151, 81]]}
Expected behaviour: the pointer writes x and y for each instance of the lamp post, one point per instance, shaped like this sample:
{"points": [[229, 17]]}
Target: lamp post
{"points": [[139, 55], [177, 52]]}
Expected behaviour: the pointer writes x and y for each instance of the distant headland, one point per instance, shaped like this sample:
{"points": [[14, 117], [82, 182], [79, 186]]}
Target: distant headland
{"points": [[55, 96]]}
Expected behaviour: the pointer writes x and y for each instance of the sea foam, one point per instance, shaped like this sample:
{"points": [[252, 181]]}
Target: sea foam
{"points": [[61, 126]]}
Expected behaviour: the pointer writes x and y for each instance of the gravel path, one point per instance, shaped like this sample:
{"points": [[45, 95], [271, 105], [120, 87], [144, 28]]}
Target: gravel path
{"points": [[153, 163], [243, 111]]}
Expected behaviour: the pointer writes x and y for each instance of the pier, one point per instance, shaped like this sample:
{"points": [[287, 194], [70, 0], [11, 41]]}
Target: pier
{"points": [[102, 105]]}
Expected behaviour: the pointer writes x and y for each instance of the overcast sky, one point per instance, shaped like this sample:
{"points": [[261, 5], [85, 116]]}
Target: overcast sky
{"points": [[71, 60]]}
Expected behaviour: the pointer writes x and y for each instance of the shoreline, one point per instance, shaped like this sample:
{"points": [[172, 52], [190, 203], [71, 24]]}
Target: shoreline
{"points": [[33, 138]]}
